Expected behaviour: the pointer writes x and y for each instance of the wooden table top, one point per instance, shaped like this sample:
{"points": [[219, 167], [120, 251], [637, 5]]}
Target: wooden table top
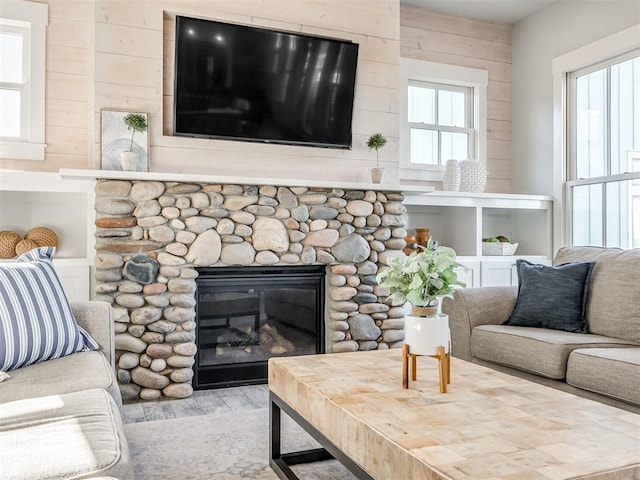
{"points": [[489, 426]]}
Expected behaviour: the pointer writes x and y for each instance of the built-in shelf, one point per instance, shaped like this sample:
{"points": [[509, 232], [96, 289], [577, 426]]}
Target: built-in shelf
{"points": [[461, 219], [40, 199]]}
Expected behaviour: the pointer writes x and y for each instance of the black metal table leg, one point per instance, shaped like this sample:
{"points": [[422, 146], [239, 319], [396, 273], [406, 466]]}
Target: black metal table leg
{"points": [[281, 462]]}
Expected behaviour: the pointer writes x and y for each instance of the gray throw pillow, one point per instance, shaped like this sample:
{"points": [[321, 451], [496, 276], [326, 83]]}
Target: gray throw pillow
{"points": [[552, 297]]}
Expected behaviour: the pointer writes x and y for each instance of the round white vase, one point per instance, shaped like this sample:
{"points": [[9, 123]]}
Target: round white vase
{"points": [[129, 160], [425, 334], [473, 176]]}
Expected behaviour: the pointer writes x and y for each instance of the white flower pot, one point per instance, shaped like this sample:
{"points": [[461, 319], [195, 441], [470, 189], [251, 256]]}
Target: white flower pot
{"points": [[425, 334], [377, 175], [129, 160]]}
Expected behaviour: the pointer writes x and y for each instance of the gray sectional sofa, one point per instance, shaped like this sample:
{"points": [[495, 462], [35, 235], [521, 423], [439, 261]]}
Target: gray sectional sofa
{"points": [[61, 418], [602, 364]]}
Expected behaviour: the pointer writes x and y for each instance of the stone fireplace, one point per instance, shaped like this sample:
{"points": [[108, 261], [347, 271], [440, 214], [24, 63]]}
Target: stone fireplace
{"points": [[153, 236]]}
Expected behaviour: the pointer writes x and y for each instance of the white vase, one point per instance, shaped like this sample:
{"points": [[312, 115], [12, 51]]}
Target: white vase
{"points": [[377, 175], [473, 176], [129, 161], [425, 334], [451, 176]]}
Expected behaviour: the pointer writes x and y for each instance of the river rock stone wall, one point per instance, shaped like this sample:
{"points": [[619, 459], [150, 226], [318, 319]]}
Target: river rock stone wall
{"points": [[150, 235]]}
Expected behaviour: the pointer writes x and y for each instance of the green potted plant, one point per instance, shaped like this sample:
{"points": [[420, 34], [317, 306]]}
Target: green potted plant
{"points": [[376, 142], [135, 122], [422, 279]]}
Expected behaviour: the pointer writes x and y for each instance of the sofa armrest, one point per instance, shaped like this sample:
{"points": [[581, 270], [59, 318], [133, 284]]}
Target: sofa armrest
{"points": [[95, 318], [471, 307]]}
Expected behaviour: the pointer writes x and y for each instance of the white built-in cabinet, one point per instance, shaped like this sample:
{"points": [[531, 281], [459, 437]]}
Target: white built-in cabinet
{"points": [[460, 220], [30, 199]]}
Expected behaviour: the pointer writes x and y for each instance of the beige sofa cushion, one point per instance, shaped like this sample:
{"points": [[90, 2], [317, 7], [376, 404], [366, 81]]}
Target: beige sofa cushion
{"points": [[76, 435], [613, 309], [608, 371], [535, 350], [73, 373]]}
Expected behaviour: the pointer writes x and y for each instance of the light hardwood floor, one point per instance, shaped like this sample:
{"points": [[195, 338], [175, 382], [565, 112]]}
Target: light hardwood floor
{"points": [[202, 402]]}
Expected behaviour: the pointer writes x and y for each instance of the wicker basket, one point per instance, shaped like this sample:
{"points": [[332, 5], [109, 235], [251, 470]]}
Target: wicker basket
{"points": [[8, 242], [43, 237]]}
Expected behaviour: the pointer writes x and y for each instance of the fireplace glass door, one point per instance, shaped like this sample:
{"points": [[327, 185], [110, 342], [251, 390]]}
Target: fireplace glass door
{"points": [[247, 315]]}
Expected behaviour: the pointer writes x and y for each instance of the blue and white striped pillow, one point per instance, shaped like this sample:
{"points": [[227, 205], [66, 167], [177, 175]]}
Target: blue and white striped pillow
{"points": [[36, 322]]}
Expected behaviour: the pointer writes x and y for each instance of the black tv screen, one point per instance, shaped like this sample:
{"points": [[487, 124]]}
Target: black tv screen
{"points": [[245, 83]]}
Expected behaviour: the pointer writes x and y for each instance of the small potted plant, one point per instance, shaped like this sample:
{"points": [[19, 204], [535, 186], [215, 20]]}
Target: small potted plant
{"points": [[376, 142], [422, 279], [135, 122]]}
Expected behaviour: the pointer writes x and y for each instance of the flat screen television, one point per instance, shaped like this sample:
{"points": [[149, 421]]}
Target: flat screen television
{"points": [[239, 82]]}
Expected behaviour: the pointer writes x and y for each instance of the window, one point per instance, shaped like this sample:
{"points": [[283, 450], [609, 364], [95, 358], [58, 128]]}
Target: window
{"points": [[14, 84], [603, 171], [443, 116], [440, 122], [22, 68]]}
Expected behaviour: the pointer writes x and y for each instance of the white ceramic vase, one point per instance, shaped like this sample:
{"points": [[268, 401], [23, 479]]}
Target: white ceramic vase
{"points": [[451, 176], [473, 176], [425, 334], [129, 160], [377, 175]]}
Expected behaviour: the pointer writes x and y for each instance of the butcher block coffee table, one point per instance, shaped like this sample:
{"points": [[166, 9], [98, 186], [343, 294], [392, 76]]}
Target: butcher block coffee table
{"points": [[488, 426]]}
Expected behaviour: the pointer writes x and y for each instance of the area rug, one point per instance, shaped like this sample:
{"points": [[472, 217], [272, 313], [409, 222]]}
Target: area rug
{"points": [[228, 446]]}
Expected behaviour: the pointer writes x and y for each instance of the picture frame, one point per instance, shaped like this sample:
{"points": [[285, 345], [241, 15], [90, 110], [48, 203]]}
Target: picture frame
{"points": [[118, 140]]}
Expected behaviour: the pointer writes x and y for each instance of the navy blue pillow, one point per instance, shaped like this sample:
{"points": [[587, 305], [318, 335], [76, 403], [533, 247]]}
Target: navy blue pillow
{"points": [[552, 297]]}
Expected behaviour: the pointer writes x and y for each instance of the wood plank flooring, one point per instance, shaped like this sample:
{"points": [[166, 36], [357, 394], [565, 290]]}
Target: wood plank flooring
{"points": [[202, 402]]}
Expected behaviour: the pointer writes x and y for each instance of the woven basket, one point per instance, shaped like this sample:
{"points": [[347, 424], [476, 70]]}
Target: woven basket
{"points": [[8, 242], [25, 245], [43, 236]]}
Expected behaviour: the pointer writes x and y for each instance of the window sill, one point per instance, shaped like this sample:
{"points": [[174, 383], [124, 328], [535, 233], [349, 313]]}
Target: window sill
{"points": [[22, 150], [431, 174]]}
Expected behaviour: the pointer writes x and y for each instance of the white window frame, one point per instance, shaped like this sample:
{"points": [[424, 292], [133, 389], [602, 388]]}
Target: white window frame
{"points": [[562, 66], [33, 17], [439, 73]]}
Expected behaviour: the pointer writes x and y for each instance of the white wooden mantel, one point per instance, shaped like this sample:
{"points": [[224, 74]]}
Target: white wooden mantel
{"points": [[79, 174]]}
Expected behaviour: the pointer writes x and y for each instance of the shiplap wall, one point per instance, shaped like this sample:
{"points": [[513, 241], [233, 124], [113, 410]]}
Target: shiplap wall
{"points": [[68, 114], [117, 54], [134, 71], [431, 36]]}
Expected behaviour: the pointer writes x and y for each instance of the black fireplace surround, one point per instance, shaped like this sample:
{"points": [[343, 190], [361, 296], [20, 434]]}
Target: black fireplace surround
{"points": [[245, 315]]}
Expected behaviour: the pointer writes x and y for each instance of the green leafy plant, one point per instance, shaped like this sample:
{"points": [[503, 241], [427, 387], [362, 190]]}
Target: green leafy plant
{"points": [[135, 122], [376, 141], [422, 278]]}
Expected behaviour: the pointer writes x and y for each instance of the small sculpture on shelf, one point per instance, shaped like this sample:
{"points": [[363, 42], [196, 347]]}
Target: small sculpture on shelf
{"points": [[412, 245], [422, 236], [8, 242], [414, 242], [12, 243]]}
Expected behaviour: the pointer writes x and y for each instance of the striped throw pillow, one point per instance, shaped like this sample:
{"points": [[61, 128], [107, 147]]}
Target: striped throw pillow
{"points": [[36, 322]]}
